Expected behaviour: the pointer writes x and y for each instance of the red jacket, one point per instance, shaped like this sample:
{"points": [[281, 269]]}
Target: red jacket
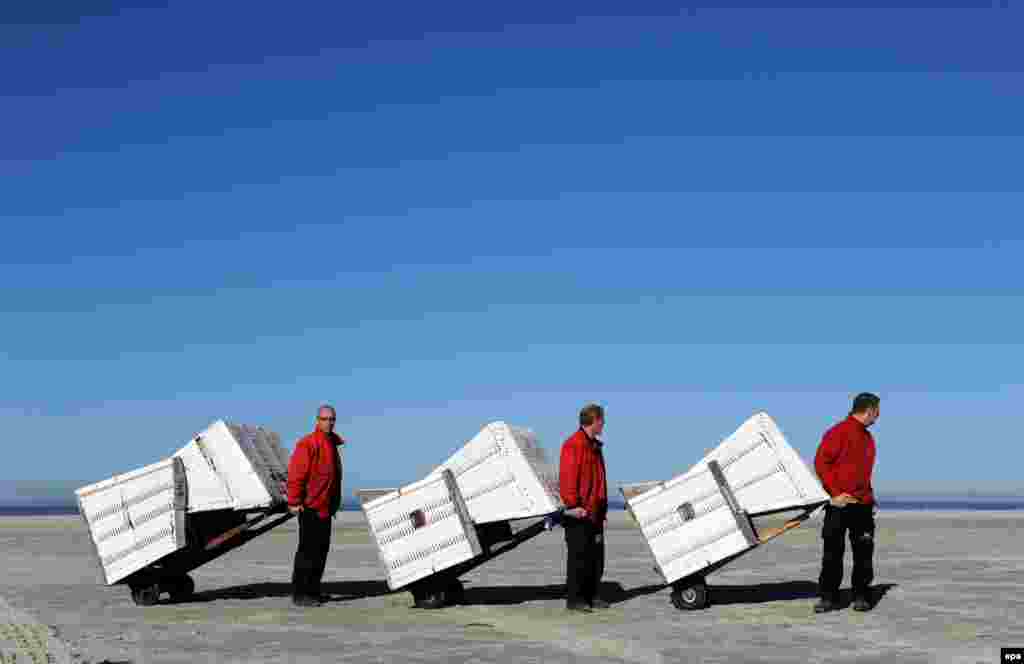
{"points": [[581, 475], [845, 460], [314, 473]]}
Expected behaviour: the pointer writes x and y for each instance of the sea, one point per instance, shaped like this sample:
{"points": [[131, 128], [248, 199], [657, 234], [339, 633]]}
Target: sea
{"points": [[901, 504]]}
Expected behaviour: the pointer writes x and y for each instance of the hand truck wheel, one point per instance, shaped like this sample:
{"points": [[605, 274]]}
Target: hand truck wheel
{"points": [[690, 597]]}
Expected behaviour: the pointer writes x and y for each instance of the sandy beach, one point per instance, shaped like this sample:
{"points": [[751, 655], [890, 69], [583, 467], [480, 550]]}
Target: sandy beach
{"points": [[951, 589]]}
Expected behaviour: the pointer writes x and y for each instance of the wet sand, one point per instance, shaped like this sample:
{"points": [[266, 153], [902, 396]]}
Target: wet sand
{"points": [[951, 586]]}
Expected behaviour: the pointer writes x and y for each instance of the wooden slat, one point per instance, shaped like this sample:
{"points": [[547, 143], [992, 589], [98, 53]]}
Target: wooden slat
{"points": [[234, 532], [366, 495], [631, 490], [772, 533]]}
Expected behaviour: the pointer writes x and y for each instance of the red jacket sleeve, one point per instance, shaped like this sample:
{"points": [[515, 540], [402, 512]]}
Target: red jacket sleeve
{"points": [[569, 474], [298, 474], [825, 459]]}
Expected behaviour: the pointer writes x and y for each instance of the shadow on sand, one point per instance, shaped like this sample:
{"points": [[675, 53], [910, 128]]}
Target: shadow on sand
{"points": [[876, 594], [761, 593], [498, 595], [612, 592], [338, 591], [785, 591]]}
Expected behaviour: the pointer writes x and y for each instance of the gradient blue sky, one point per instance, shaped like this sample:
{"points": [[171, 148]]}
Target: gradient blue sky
{"points": [[438, 215]]}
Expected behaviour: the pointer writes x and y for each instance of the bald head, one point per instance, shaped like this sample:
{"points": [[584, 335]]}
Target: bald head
{"points": [[325, 418]]}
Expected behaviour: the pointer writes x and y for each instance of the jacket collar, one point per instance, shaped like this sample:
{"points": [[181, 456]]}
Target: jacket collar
{"points": [[854, 422], [590, 439], [331, 438]]}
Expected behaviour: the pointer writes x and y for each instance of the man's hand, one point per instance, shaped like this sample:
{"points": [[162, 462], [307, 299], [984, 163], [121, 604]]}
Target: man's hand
{"points": [[842, 500], [295, 509], [576, 513]]}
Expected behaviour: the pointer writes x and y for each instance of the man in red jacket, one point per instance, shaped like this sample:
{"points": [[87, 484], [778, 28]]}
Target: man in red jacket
{"points": [[314, 495], [584, 490], [844, 463]]}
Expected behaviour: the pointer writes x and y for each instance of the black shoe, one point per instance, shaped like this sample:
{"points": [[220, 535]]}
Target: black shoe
{"points": [[861, 604], [578, 606], [598, 603], [305, 601], [826, 604]]}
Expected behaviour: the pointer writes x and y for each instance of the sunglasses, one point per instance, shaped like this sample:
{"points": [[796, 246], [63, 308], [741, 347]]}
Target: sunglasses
{"points": [[327, 419]]}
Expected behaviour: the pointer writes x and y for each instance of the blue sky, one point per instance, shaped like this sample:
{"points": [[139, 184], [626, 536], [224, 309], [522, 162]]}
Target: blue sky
{"points": [[436, 216]]}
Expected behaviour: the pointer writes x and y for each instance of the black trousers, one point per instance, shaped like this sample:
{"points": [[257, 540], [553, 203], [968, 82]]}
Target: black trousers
{"points": [[857, 522], [584, 542], [311, 556]]}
